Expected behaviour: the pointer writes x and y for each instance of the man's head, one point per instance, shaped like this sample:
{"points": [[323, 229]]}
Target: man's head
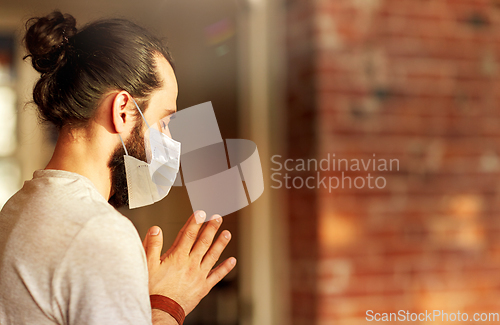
{"points": [[90, 80], [162, 104]]}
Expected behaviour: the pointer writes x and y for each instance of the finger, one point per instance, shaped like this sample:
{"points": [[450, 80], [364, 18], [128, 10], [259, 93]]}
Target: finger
{"points": [[213, 254], [179, 235], [176, 241], [145, 241], [153, 243], [188, 236], [220, 271], [206, 237], [202, 229]]}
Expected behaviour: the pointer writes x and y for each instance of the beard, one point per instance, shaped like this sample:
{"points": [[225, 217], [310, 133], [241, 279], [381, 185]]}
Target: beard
{"points": [[116, 164]]}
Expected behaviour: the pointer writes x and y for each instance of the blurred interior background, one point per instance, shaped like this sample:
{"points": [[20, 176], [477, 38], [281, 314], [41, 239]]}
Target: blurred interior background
{"points": [[407, 80]]}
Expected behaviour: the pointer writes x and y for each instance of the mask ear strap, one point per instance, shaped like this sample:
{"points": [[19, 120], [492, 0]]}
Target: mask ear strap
{"points": [[123, 144], [140, 113]]}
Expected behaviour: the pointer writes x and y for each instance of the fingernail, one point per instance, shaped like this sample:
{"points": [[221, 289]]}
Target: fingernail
{"points": [[227, 234], [232, 261], [200, 216], [218, 218], [154, 231]]}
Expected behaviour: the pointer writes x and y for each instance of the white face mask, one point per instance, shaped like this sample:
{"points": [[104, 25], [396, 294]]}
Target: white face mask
{"points": [[150, 182]]}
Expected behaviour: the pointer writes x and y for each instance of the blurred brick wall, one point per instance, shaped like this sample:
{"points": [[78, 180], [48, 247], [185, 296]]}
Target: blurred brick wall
{"points": [[413, 80]]}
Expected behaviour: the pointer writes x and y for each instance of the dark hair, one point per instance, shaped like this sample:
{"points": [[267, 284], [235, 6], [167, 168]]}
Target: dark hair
{"points": [[78, 67]]}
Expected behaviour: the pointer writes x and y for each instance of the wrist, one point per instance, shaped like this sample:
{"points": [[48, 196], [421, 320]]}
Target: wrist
{"points": [[159, 317], [169, 306]]}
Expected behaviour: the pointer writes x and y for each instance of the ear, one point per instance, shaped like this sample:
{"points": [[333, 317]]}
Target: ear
{"points": [[122, 116]]}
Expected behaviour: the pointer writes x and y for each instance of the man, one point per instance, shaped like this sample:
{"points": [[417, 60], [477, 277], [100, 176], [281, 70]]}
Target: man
{"points": [[66, 255]]}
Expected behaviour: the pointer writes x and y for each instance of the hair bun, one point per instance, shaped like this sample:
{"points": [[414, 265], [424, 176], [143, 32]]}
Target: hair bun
{"points": [[46, 39]]}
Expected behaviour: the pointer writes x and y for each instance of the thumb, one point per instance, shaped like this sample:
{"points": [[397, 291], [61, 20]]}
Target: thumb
{"points": [[153, 243]]}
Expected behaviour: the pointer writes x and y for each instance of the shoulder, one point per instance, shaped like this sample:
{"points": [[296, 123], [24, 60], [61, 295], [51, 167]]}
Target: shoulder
{"points": [[108, 231], [102, 277], [105, 254], [61, 211], [109, 234]]}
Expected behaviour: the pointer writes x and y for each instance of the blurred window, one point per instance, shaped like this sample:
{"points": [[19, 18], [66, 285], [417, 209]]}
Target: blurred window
{"points": [[10, 170]]}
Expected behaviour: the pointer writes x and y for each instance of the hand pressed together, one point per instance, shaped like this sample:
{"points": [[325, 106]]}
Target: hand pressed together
{"points": [[186, 273]]}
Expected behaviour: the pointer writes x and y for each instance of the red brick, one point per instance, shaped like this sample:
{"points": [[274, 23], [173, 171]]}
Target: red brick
{"points": [[410, 245]]}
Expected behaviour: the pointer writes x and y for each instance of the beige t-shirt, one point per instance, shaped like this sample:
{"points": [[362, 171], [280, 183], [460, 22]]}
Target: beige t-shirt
{"points": [[68, 257]]}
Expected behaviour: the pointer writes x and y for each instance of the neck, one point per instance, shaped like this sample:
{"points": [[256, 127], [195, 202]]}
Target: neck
{"points": [[76, 151]]}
